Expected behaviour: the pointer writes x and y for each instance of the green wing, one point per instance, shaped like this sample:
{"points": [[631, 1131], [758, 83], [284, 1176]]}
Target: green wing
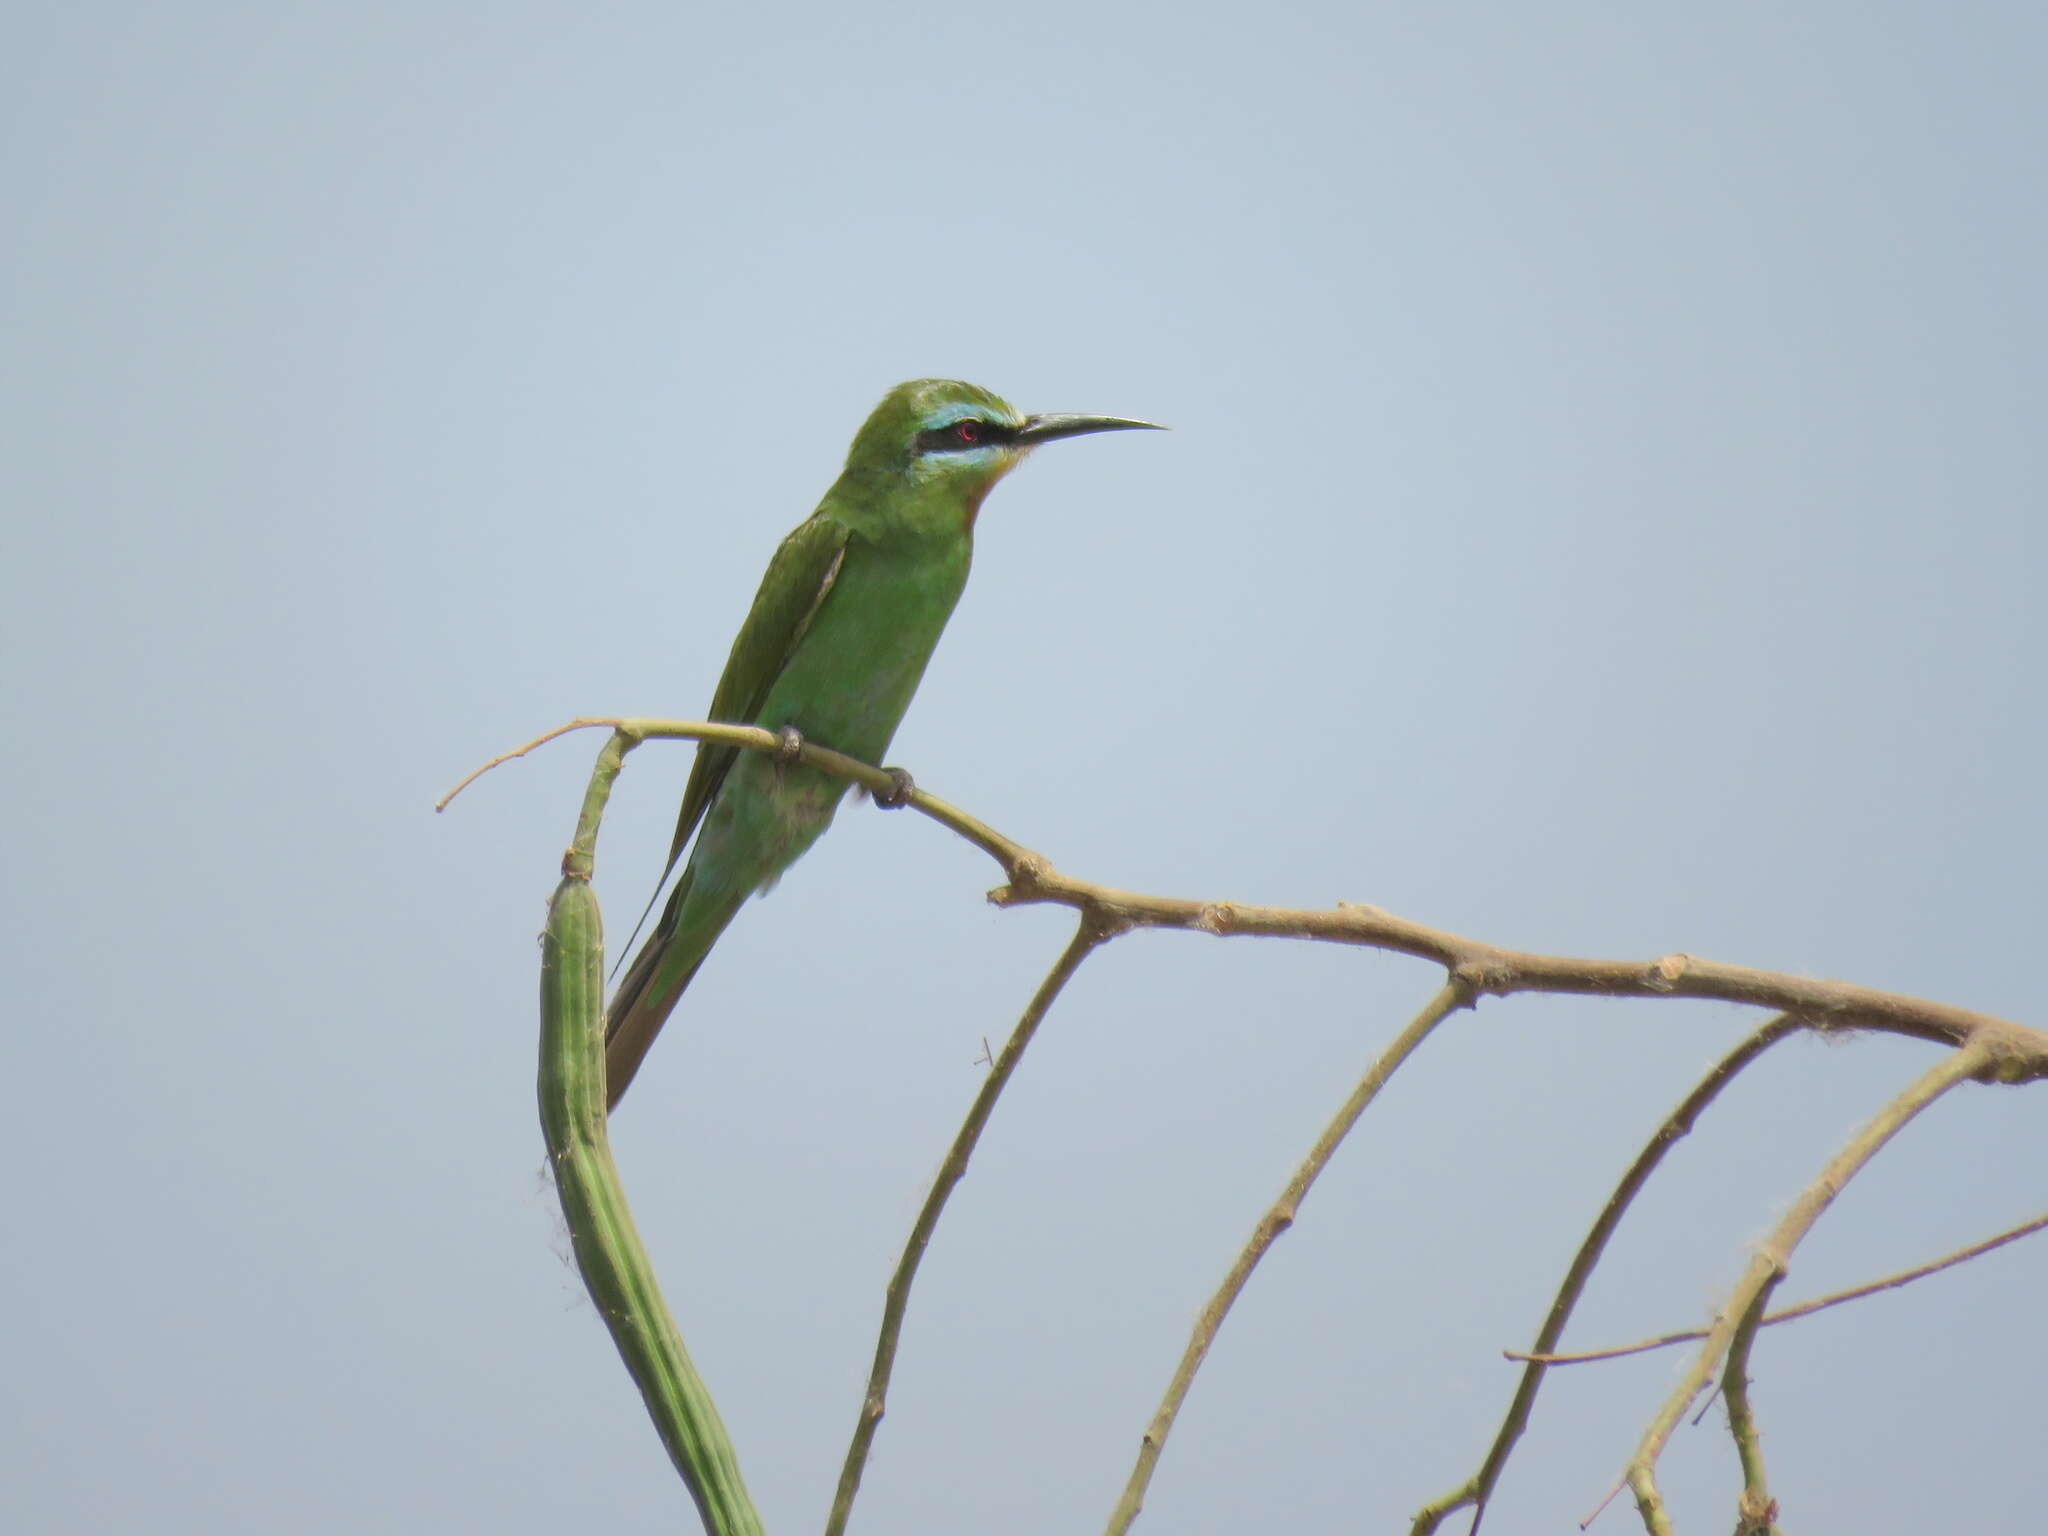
{"points": [[802, 572]]}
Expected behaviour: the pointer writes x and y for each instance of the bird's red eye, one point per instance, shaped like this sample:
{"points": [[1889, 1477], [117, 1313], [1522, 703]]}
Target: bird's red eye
{"points": [[968, 431]]}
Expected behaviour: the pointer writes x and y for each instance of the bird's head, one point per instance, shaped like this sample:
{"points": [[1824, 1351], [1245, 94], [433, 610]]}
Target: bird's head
{"points": [[951, 434]]}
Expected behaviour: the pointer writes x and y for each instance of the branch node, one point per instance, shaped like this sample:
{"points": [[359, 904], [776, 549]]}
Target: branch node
{"points": [[1102, 922], [1754, 1514], [1028, 872], [1665, 973], [1477, 978], [1215, 917], [2011, 1056]]}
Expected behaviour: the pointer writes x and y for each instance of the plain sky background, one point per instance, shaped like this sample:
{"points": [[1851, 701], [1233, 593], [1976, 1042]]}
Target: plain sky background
{"points": [[1604, 515]]}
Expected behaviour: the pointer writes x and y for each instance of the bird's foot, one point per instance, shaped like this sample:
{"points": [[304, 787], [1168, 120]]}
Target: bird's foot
{"points": [[897, 795], [789, 744]]}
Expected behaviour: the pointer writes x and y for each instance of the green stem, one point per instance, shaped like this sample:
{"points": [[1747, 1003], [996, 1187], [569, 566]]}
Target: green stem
{"points": [[608, 1251]]}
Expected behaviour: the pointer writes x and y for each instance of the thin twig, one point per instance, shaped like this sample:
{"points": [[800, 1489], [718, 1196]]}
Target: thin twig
{"points": [[1770, 1261], [1804, 1308], [579, 724], [1454, 994], [1089, 934]]}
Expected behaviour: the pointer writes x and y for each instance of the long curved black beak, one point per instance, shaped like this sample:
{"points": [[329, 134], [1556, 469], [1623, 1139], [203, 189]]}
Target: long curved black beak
{"points": [[1043, 429]]}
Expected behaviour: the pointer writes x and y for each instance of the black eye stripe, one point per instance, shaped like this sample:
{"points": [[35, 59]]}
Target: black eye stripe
{"points": [[947, 439]]}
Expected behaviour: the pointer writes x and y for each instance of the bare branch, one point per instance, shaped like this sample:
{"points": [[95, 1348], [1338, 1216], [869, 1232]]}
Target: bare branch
{"points": [[2020, 1054], [1756, 1512], [1768, 1265], [1453, 995], [1089, 934], [1479, 1488]]}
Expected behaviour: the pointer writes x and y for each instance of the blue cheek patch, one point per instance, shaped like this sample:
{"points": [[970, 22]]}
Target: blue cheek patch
{"points": [[954, 460]]}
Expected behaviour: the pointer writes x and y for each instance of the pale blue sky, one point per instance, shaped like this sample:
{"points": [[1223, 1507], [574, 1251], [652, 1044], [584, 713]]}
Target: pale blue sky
{"points": [[1604, 515]]}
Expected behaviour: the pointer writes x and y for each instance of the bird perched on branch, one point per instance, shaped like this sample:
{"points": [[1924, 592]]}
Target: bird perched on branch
{"points": [[838, 637]]}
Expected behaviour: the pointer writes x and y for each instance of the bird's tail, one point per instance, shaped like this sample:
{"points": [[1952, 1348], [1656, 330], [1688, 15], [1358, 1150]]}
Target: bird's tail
{"points": [[656, 979]]}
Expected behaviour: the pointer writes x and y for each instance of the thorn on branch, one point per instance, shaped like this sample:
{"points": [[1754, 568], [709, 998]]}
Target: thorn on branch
{"points": [[1712, 1397]]}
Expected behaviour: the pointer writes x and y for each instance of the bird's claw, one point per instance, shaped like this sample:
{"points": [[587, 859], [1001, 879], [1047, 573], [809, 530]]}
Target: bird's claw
{"points": [[789, 744], [897, 795]]}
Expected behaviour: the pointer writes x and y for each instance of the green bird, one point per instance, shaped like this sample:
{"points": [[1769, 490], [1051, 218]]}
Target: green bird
{"points": [[838, 637]]}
